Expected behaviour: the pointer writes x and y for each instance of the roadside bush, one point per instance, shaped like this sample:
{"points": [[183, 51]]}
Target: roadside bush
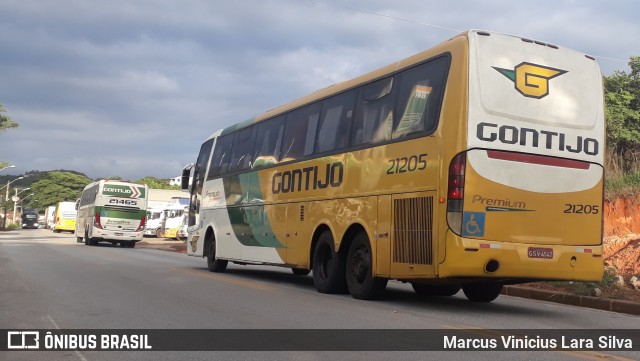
{"points": [[607, 285], [13, 226]]}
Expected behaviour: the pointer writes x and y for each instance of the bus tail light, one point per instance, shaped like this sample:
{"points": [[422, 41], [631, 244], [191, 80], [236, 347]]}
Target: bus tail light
{"points": [[142, 223], [455, 192], [96, 221]]}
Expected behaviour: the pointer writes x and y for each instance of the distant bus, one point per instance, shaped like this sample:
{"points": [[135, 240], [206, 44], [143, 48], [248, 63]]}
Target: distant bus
{"points": [[49, 217], [472, 165], [65, 217], [112, 211], [172, 220], [153, 225], [29, 219]]}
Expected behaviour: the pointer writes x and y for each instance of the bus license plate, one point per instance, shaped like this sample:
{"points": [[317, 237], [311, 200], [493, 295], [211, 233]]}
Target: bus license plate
{"points": [[535, 252], [119, 234]]}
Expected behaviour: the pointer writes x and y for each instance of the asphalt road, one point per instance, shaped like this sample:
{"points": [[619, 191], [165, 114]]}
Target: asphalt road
{"points": [[48, 281]]}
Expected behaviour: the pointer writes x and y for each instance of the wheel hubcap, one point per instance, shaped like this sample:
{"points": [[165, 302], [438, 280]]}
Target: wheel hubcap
{"points": [[360, 264]]}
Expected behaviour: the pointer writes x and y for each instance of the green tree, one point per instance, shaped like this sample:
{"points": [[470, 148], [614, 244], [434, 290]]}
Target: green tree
{"points": [[5, 123], [156, 183], [622, 99], [56, 186]]}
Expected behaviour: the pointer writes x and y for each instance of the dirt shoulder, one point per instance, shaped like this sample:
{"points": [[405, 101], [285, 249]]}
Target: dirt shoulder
{"points": [[164, 244]]}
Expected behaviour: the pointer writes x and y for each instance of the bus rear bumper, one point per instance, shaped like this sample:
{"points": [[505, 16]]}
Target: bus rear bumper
{"points": [[101, 234], [467, 257]]}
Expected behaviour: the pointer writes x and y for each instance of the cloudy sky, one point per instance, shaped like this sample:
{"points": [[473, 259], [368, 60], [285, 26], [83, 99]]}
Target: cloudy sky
{"points": [[131, 88]]}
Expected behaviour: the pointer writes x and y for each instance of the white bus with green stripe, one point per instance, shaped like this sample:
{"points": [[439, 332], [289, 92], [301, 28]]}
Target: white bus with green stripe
{"points": [[112, 211]]}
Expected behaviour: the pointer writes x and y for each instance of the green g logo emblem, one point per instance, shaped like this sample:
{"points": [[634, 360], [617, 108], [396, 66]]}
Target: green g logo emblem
{"points": [[531, 80]]}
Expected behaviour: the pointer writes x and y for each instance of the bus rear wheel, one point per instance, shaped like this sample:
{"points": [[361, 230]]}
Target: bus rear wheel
{"points": [[79, 240], [359, 271], [215, 265], [328, 267], [159, 233], [482, 291]]}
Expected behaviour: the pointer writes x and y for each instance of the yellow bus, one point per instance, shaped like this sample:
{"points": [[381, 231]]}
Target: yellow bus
{"points": [[472, 165], [65, 217]]}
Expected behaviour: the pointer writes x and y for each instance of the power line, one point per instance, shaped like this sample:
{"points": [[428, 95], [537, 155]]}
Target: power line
{"points": [[387, 16], [401, 19], [607, 58], [428, 24]]}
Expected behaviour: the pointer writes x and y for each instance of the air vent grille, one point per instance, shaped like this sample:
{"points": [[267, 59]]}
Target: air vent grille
{"points": [[413, 230]]}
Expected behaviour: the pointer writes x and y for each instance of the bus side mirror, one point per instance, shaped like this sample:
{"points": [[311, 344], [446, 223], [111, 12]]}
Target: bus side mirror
{"points": [[184, 181]]}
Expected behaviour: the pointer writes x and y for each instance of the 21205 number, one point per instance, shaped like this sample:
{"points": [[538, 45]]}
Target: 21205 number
{"points": [[581, 209], [407, 164]]}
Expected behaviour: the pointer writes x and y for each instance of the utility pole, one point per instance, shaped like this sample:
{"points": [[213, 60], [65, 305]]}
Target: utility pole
{"points": [[6, 200]]}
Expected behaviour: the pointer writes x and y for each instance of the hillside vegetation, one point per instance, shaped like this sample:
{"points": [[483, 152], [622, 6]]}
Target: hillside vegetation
{"points": [[622, 101]]}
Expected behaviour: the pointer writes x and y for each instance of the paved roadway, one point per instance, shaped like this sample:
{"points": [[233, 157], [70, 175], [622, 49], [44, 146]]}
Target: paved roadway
{"points": [[49, 281]]}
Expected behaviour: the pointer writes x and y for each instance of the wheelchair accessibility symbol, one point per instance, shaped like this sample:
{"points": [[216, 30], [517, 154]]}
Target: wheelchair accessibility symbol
{"points": [[473, 224]]}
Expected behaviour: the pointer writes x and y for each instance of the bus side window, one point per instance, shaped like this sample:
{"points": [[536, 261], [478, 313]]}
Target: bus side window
{"points": [[242, 154], [268, 139], [336, 121], [221, 156], [419, 96], [374, 116], [300, 132]]}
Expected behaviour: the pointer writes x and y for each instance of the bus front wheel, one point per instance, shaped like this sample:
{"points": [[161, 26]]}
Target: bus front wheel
{"points": [[215, 265], [328, 268], [482, 291], [361, 282]]}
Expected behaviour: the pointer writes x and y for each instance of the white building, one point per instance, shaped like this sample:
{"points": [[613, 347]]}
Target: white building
{"points": [[160, 198], [177, 180]]}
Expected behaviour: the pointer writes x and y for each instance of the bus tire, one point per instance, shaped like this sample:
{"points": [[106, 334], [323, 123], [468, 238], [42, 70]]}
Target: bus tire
{"points": [[79, 239], [435, 290], [159, 233], [328, 267], [300, 271], [131, 244], [482, 291], [215, 265], [361, 282]]}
